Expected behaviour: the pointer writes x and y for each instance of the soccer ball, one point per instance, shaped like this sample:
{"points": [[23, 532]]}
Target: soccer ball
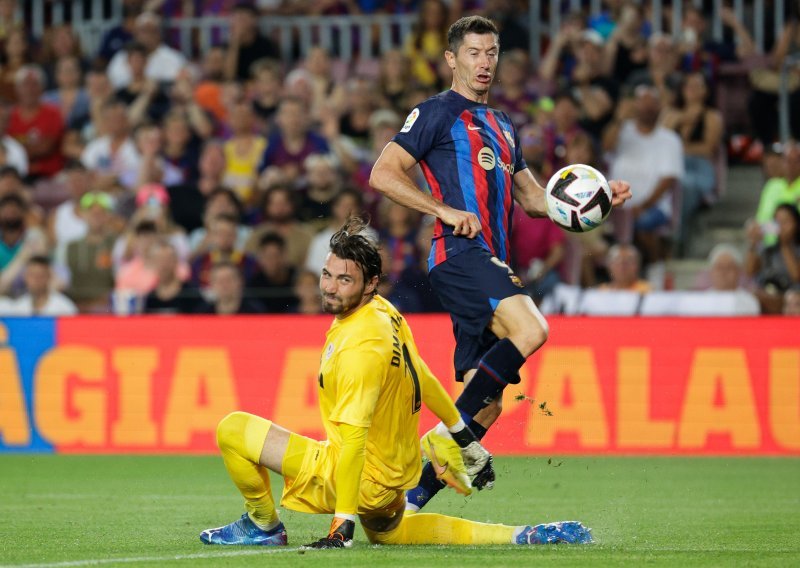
{"points": [[578, 198]]}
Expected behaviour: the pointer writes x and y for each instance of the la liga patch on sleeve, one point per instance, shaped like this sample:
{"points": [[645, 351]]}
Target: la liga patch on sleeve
{"points": [[410, 120]]}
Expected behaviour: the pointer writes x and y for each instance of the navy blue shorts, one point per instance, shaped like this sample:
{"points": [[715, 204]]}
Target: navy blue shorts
{"points": [[469, 286]]}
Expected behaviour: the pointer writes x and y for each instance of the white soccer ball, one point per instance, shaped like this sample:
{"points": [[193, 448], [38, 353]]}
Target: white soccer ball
{"points": [[578, 198]]}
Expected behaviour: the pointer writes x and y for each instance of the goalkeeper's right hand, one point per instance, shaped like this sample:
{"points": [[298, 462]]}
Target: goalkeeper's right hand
{"points": [[477, 459]]}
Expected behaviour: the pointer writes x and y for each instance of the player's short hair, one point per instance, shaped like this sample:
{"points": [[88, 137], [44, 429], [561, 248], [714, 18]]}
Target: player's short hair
{"points": [[351, 242], [468, 25]]}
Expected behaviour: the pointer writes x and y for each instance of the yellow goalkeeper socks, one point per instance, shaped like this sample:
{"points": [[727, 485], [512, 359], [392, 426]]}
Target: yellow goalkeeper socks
{"points": [[431, 528], [240, 437]]}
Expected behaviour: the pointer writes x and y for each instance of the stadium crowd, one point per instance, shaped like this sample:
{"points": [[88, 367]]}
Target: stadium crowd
{"points": [[137, 179]]}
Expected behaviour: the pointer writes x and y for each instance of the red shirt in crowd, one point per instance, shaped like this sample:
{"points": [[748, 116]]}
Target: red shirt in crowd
{"points": [[47, 123], [532, 238]]}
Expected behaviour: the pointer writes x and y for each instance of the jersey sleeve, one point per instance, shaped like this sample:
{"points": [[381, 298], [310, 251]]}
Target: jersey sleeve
{"points": [[519, 161], [420, 130], [360, 373]]}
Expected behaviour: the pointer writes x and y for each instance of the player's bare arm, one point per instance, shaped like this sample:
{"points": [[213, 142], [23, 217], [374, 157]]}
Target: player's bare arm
{"points": [[530, 194], [390, 177]]}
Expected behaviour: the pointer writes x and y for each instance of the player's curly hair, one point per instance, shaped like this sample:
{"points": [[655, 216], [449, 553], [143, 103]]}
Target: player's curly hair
{"points": [[350, 242], [468, 25]]}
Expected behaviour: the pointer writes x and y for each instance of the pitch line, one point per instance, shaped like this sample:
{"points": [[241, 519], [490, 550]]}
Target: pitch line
{"points": [[132, 559]]}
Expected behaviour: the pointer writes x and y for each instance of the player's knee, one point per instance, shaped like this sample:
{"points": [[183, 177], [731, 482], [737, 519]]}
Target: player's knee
{"points": [[230, 428], [532, 337]]}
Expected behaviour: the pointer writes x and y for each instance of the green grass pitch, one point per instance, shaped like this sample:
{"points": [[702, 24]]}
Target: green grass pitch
{"points": [[147, 511]]}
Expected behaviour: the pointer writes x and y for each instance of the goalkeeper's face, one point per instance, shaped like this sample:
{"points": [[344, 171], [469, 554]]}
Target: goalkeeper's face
{"points": [[343, 287]]}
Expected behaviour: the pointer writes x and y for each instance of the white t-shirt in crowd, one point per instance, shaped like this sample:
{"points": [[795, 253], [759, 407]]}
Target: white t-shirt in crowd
{"points": [[163, 65], [15, 155], [68, 226], [645, 159], [57, 305], [125, 163]]}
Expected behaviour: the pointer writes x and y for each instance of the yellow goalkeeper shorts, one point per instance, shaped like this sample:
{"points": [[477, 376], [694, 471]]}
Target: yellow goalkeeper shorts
{"points": [[309, 470]]}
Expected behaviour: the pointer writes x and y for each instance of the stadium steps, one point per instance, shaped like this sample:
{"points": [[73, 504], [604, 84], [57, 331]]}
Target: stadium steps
{"points": [[722, 223]]}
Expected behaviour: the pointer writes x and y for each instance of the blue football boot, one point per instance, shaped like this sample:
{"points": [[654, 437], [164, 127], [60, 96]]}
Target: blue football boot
{"points": [[244, 531], [570, 532]]}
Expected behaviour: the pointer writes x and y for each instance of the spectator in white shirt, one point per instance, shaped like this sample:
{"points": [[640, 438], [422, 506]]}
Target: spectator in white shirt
{"points": [[113, 158], [650, 157], [39, 299], [163, 62]]}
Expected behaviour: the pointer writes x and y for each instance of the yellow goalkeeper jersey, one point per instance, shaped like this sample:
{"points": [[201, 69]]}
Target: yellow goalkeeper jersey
{"points": [[370, 376]]}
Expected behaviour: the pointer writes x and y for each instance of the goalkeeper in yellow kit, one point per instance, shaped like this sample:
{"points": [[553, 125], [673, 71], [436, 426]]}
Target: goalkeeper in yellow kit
{"points": [[372, 384]]}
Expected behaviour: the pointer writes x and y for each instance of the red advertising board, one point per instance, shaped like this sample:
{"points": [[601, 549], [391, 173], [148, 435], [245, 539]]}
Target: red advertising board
{"points": [[601, 386]]}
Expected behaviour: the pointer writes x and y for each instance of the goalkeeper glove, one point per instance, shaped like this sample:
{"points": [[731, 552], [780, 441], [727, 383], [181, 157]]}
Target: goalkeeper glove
{"points": [[477, 460], [340, 535]]}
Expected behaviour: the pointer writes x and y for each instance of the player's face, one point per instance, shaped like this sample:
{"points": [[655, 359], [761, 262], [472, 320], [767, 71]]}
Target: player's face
{"points": [[343, 287], [474, 64]]}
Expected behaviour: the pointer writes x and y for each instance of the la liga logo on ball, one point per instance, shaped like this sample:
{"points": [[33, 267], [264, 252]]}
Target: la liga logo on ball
{"points": [[578, 198]]}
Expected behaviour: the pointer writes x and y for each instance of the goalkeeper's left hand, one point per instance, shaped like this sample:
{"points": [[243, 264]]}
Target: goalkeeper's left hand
{"points": [[478, 462], [340, 535]]}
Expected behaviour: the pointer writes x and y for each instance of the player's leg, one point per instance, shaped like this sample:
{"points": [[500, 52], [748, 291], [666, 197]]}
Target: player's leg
{"points": [[250, 446], [431, 528]]}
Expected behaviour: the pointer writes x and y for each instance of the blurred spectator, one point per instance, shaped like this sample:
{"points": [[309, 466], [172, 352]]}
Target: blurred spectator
{"points": [[662, 68], [182, 101], [145, 98], [59, 42], [394, 78], [626, 47], [113, 157], [15, 154], [513, 94], [10, 17], [323, 184], [220, 201], [346, 203], [163, 62], [359, 105], [398, 236], [66, 222], [726, 270], [272, 283], [506, 16], [16, 54], [383, 125], [624, 268], [120, 35], [69, 95], [18, 241], [306, 290], [700, 128], [791, 302], [765, 83], [701, 52], [38, 126], [594, 91], [171, 294], [559, 59], [209, 89], [243, 152], [152, 204], [544, 143], [650, 158], [100, 91], [227, 291], [222, 247], [776, 268], [778, 190], [267, 91], [39, 299], [425, 45], [89, 258], [247, 44], [188, 200], [315, 79], [136, 275], [289, 145], [181, 149], [280, 217], [537, 248]]}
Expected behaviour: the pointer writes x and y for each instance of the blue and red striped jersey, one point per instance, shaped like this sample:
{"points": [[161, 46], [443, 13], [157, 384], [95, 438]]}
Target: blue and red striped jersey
{"points": [[468, 153]]}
